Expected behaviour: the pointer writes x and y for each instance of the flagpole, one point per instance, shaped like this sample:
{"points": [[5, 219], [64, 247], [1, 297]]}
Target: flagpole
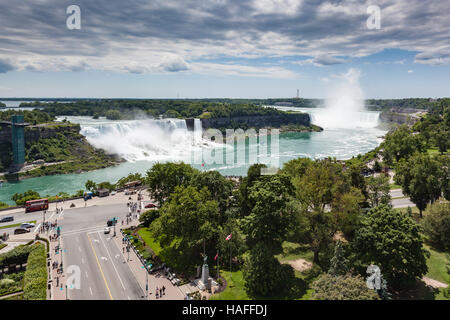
{"points": [[230, 259]]}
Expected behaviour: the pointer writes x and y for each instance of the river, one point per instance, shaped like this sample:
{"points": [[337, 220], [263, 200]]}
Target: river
{"points": [[144, 142]]}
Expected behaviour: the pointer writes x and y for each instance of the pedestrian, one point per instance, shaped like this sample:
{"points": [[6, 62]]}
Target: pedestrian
{"points": [[164, 289]]}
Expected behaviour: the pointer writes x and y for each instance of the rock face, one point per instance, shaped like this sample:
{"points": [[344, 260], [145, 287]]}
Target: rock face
{"points": [[275, 121], [397, 118]]}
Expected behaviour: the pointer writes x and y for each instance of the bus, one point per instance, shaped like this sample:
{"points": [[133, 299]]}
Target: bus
{"points": [[36, 205]]}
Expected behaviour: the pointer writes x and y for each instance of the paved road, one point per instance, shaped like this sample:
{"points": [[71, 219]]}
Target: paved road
{"points": [[104, 273], [22, 217], [400, 203]]}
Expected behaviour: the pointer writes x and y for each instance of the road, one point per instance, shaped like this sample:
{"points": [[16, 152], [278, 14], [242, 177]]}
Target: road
{"points": [[104, 273], [402, 202], [22, 217]]}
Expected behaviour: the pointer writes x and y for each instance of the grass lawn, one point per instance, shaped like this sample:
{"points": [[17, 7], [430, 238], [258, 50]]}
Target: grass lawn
{"points": [[394, 186], [16, 225], [294, 251], [2, 245], [299, 289], [235, 287], [437, 268], [150, 241]]}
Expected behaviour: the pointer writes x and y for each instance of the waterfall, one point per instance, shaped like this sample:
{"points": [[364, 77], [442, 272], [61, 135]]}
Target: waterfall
{"points": [[137, 140], [198, 131]]}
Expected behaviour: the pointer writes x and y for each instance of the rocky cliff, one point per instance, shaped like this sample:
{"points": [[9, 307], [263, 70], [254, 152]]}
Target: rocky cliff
{"points": [[244, 122]]}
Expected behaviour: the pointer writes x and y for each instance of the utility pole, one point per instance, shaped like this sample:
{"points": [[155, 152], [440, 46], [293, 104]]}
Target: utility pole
{"points": [[43, 220]]}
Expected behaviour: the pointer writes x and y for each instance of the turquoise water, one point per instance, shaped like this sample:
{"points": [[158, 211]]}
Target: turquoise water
{"points": [[143, 143]]}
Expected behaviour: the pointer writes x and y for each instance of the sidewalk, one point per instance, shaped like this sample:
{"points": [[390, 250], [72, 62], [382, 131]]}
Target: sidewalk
{"points": [[56, 289], [154, 280]]}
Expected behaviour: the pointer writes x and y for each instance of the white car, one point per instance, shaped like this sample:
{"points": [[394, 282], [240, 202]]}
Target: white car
{"points": [[27, 225], [106, 230], [113, 193]]}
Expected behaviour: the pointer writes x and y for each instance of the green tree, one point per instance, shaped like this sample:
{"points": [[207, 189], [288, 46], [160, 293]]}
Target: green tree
{"points": [[21, 198], [90, 185], [219, 187], [378, 190], [147, 217], [436, 224], [327, 203], [106, 185], [253, 174], [263, 273], [187, 222], [392, 241], [329, 287], [163, 178], [339, 263], [266, 227], [401, 144], [421, 178]]}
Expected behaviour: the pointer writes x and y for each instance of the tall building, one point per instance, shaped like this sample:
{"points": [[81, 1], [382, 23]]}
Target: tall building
{"points": [[18, 140]]}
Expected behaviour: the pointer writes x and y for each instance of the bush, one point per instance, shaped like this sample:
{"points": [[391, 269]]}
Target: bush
{"points": [[35, 279], [18, 255], [329, 287], [148, 217], [436, 225]]}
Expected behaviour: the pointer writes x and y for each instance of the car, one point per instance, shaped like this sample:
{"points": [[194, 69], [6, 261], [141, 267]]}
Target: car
{"points": [[150, 205], [113, 193], [106, 230], [27, 225], [6, 219], [21, 230]]}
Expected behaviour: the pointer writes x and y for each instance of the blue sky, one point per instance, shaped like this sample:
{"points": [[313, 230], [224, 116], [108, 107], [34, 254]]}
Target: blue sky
{"points": [[223, 48]]}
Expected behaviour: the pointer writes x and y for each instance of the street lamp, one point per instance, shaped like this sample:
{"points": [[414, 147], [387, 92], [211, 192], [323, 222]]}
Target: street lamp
{"points": [[146, 277]]}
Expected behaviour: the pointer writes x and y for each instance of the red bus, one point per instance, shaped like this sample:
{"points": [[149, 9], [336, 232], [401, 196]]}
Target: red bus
{"points": [[36, 205]]}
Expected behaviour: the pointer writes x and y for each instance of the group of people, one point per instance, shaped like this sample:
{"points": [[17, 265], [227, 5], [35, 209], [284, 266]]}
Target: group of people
{"points": [[56, 265], [48, 226], [160, 292]]}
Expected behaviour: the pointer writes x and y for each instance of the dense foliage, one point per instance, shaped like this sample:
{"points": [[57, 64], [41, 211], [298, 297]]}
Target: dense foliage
{"points": [[436, 225], [16, 256], [32, 117], [35, 278], [131, 109], [392, 241], [21, 198], [346, 287]]}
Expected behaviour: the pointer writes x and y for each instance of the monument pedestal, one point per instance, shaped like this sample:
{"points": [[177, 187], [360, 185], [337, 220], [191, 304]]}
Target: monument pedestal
{"points": [[205, 282]]}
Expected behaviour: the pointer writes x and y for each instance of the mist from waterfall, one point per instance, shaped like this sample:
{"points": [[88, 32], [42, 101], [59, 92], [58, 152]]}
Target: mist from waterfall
{"points": [[344, 105], [140, 140]]}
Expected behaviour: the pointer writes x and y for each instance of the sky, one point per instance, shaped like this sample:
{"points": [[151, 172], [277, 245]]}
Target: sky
{"points": [[223, 48]]}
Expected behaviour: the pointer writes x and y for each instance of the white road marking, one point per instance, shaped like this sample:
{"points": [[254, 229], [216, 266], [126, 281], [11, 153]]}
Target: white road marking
{"points": [[82, 260], [104, 258], [132, 272], [37, 228], [79, 248], [90, 291], [112, 262], [86, 274], [72, 232]]}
